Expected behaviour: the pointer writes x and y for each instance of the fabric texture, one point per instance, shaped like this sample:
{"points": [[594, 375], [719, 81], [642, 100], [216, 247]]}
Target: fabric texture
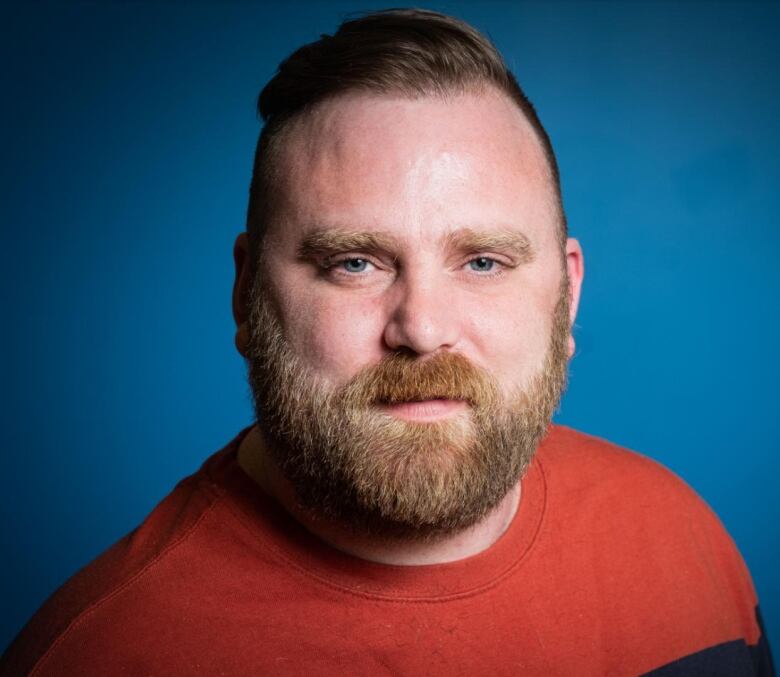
{"points": [[612, 566]]}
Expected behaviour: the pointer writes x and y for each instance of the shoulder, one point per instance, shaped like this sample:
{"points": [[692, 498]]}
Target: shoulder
{"points": [[129, 569], [584, 472], [577, 462], [638, 521]]}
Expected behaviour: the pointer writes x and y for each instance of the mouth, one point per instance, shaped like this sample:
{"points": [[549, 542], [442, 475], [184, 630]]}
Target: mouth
{"points": [[424, 410]]}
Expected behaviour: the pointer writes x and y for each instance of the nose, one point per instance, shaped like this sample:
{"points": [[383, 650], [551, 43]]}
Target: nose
{"points": [[424, 316]]}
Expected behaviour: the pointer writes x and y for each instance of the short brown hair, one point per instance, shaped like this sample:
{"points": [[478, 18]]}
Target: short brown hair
{"points": [[410, 52]]}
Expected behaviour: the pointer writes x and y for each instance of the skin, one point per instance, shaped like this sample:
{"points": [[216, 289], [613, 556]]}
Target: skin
{"points": [[435, 194]]}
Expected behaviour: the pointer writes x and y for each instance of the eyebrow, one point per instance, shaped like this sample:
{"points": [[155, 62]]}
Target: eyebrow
{"points": [[322, 242], [510, 241]]}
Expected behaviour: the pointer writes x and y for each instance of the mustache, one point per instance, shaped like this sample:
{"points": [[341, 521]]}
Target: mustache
{"points": [[403, 378]]}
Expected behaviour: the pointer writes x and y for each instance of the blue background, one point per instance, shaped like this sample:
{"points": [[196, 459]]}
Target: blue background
{"points": [[127, 140]]}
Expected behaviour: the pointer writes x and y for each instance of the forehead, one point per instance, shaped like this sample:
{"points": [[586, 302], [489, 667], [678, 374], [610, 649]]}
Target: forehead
{"points": [[427, 166]]}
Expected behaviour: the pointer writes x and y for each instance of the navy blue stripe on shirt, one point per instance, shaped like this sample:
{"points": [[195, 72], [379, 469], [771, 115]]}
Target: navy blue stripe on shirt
{"points": [[730, 659]]}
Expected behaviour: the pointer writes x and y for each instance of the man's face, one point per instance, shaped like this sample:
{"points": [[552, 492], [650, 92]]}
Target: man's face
{"points": [[410, 324]]}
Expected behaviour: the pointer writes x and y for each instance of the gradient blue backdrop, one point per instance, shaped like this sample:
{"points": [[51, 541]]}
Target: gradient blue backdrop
{"points": [[127, 140]]}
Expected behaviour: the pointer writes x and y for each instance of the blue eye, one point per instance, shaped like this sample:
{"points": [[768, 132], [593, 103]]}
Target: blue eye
{"points": [[482, 264], [354, 265]]}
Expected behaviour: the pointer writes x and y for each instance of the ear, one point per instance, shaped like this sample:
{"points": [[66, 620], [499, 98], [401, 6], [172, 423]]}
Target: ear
{"points": [[575, 267], [241, 291]]}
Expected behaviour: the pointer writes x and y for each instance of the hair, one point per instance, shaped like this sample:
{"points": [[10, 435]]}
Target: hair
{"points": [[412, 53]]}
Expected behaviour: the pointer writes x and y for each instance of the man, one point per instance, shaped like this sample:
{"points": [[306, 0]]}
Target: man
{"points": [[404, 298]]}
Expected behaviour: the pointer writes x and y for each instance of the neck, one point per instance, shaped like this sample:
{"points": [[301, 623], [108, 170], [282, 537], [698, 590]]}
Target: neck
{"points": [[256, 463]]}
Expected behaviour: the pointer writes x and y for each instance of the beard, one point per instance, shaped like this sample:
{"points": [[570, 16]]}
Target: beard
{"points": [[385, 477]]}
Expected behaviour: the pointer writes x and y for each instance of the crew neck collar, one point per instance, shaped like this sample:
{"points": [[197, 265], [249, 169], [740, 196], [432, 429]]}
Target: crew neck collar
{"points": [[271, 527]]}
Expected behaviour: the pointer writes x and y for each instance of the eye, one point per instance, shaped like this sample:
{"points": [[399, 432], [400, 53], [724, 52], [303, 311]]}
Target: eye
{"points": [[482, 264], [354, 265]]}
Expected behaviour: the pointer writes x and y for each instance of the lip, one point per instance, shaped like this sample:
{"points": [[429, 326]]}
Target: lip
{"points": [[425, 410]]}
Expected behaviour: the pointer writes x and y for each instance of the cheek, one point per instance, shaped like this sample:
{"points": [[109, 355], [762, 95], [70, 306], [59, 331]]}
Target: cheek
{"points": [[334, 338], [511, 336]]}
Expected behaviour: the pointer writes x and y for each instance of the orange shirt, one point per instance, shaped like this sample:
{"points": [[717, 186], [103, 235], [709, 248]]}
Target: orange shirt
{"points": [[612, 566]]}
